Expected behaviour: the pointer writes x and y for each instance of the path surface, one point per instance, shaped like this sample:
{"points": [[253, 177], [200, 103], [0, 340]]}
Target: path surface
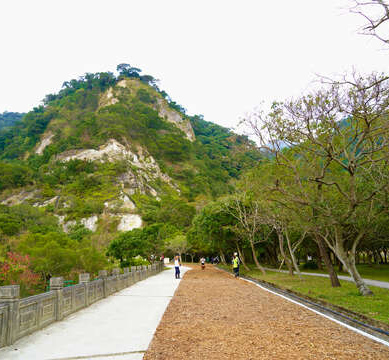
{"points": [[381, 284], [214, 316], [119, 327]]}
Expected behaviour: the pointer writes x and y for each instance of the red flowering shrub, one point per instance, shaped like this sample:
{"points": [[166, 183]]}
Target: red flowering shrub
{"points": [[15, 270]]}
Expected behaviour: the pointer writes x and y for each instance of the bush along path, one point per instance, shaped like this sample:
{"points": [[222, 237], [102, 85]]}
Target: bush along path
{"points": [[215, 316]]}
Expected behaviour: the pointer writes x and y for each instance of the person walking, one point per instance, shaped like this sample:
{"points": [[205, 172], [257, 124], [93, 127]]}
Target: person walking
{"points": [[177, 264], [202, 262], [235, 264]]}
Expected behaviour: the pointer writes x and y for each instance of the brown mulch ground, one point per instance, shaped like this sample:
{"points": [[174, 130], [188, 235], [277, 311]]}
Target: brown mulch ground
{"points": [[214, 316]]}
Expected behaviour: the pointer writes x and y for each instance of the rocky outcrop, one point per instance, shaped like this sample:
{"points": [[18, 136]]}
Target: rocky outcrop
{"points": [[129, 222], [123, 203], [108, 98], [66, 226], [174, 117], [90, 223], [46, 141], [111, 151], [47, 202], [19, 198], [144, 167]]}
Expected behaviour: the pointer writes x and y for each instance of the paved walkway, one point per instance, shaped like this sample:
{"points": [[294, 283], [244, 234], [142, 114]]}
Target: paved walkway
{"points": [[381, 284], [119, 327]]}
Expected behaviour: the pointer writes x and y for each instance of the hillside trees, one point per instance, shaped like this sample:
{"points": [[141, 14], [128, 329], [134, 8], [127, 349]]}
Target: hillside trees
{"points": [[212, 229], [338, 137], [8, 119], [248, 214]]}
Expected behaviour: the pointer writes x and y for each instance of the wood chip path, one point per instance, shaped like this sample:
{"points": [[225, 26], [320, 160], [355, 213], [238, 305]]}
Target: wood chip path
{"points": [[214, 316]]}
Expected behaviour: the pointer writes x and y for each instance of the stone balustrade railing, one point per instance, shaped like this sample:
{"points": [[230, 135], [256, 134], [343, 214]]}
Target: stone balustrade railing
{"points": [[20, 317]]}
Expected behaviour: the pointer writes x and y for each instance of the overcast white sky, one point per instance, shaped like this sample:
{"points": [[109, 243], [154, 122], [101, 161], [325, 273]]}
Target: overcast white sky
{"points": [[216, 58]]}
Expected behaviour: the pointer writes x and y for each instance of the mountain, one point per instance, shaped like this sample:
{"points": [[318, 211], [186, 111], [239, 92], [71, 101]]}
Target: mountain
{"points": [[111, 153], [8, 119]]}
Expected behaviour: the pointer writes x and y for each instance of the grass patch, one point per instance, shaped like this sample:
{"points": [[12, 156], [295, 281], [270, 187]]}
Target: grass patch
{"points": [[347, 296], [374, 272]]}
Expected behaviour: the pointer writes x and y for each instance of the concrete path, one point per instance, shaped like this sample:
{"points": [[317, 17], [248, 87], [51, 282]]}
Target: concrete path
{"points": [[119, 327], [381, 284]]}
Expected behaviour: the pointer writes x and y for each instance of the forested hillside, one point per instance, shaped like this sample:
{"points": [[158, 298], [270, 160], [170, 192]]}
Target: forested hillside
{"points": [[8, 119], [106, 155]]}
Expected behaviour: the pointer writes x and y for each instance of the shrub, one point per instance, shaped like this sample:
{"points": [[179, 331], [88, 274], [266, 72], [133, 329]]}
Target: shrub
{"points": [[310, 265]]}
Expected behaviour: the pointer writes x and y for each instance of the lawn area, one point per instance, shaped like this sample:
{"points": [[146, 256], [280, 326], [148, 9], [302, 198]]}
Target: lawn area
{"points": [[374, 272], [347, 296]]}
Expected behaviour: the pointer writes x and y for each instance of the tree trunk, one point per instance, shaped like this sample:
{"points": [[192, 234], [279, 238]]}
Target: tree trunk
{"points": [[319, 259], [340, 266], [380, 255], [375, 257], [257, 264], [361, 285], [327, 261], [292, 256], [368, 258], [222, 258], [348, 261], [281, 244], [241, 256]]}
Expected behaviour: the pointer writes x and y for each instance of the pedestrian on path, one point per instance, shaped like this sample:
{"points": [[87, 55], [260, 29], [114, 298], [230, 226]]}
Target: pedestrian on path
{"points": [[177, 264], [235, 264], [202, 261]]}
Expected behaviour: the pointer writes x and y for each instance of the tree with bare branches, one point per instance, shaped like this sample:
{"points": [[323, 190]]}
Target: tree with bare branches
{"points": [[248, 214], [376, 15], [337, 140]]}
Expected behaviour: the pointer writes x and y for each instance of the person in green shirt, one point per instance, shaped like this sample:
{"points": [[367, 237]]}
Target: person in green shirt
{"points": [[235, 264]]}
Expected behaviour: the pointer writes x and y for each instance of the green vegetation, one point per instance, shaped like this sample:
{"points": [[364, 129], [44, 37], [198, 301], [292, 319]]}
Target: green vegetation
{"points": [[346, 296], [319, 196], [8, 119], [45, 192], [33, 248], [374, 271]]}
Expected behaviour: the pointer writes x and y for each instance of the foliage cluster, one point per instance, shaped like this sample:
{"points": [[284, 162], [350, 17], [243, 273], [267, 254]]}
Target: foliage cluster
{"points": [[8, 119]]}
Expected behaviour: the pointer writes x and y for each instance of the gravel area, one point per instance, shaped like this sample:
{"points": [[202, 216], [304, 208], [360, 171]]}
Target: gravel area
{"points": [[215, 316]]}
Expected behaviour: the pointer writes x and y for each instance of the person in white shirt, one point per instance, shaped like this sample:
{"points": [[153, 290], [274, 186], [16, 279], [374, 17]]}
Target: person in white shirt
{"points": [[177, 264], [202, 261]]}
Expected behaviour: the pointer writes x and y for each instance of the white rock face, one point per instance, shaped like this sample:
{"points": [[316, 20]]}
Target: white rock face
{"points": [[19, 198], [111, 151], [46, 141], [108, 98], [90, 223], [175, 118], [122, 83], [133, 180], [127, 203], [66, 226], [129, 222], [47, 202]]}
